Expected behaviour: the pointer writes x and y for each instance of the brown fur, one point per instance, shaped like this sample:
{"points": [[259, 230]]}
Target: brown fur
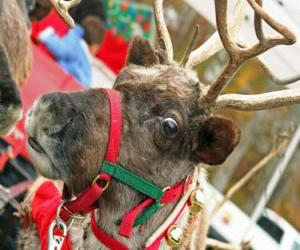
{"points": [[149, 57], [15, 40], [15, 58], [15, 61], [68, 134], [216, 140]]}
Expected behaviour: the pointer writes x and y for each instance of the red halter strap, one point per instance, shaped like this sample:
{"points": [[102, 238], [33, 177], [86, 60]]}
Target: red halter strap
{"points": [[115, 131], [85, 202]]}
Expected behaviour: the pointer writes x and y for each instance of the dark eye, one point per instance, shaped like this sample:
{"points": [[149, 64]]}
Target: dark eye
{"points": [[170, 127]]}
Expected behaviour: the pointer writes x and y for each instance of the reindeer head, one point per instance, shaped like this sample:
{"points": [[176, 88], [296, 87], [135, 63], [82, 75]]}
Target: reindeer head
{"points": [[165, 128], [168, 120]]}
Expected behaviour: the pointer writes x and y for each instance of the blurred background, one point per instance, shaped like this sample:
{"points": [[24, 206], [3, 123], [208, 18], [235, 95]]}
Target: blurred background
{"points": [[109, 34]]}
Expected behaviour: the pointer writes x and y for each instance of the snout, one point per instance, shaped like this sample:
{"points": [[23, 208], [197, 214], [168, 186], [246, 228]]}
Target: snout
{"points": [[41, 119], [53, 124], [44, 116], [49, 119]]}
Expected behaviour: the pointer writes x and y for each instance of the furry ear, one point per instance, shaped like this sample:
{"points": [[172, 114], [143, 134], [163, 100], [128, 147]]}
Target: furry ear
{"points": [[141, 53], [215, 140]]}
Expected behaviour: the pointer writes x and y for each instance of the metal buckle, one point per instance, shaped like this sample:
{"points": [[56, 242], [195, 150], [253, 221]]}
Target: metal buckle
{"points": [[55, 242], [106, 182]]}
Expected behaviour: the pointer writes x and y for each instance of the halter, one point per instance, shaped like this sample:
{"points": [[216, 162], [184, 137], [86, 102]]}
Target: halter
{"points": [[156, 197]]}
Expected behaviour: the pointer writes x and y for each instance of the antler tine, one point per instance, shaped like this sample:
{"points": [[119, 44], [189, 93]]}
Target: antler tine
{"points": [[287, 37], [239, 55], [62, 7], [258, 102], [274, 78], [162, 30], [213, 45], [258, 24], [190, 47]]}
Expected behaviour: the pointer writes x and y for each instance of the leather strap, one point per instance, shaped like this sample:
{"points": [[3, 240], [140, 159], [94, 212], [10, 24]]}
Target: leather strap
{"points": [[103, 237], [140, 184], [85, 202], [115, 130]]}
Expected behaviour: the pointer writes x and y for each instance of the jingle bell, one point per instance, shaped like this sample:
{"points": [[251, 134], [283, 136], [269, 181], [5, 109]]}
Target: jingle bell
{"points": [[174, 236], [196, 201]]}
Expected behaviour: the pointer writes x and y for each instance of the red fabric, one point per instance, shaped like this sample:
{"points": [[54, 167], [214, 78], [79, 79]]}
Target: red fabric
{"points": [[85, 202], [104, 238], [53, 20], [129, 218], [115, 131], [113, 51], [44, 206]]}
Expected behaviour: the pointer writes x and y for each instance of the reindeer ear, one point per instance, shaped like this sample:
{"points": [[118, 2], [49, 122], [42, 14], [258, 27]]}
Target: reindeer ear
{"points": [[215, 140], [141, 53]]}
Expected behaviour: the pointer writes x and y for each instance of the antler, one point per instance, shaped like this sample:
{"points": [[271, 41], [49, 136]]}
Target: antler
{"points": [[274, 78], [238, 55], [62, 7], [257, 102], [165, 41], [213, 45]]}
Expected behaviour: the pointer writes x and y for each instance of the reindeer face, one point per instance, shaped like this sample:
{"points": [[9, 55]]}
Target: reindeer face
{"points": [[165, 131]]}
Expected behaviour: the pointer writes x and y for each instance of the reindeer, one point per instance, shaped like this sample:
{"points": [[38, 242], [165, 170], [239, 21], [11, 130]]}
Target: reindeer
{"points": [[16, 54], [169, 127]]}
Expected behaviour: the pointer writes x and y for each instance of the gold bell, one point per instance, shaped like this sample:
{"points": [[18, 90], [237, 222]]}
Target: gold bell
{"points": [[196, 201], [174, 236]]}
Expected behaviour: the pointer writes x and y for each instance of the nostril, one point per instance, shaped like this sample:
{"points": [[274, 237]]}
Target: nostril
{"points": [[35, 145]]}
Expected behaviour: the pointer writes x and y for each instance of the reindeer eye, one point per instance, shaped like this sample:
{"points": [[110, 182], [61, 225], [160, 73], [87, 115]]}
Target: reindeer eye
{"points": [[170, 127]]}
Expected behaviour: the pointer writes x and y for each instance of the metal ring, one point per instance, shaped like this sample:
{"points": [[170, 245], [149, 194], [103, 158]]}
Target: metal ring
{"points": [[75, 216], [60, 225], [106, 182], [59, 221]]}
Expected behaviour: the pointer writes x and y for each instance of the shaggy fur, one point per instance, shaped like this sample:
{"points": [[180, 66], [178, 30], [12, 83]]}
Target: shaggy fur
{"points": [[15, 58], [15, 61], [68, 134]]}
